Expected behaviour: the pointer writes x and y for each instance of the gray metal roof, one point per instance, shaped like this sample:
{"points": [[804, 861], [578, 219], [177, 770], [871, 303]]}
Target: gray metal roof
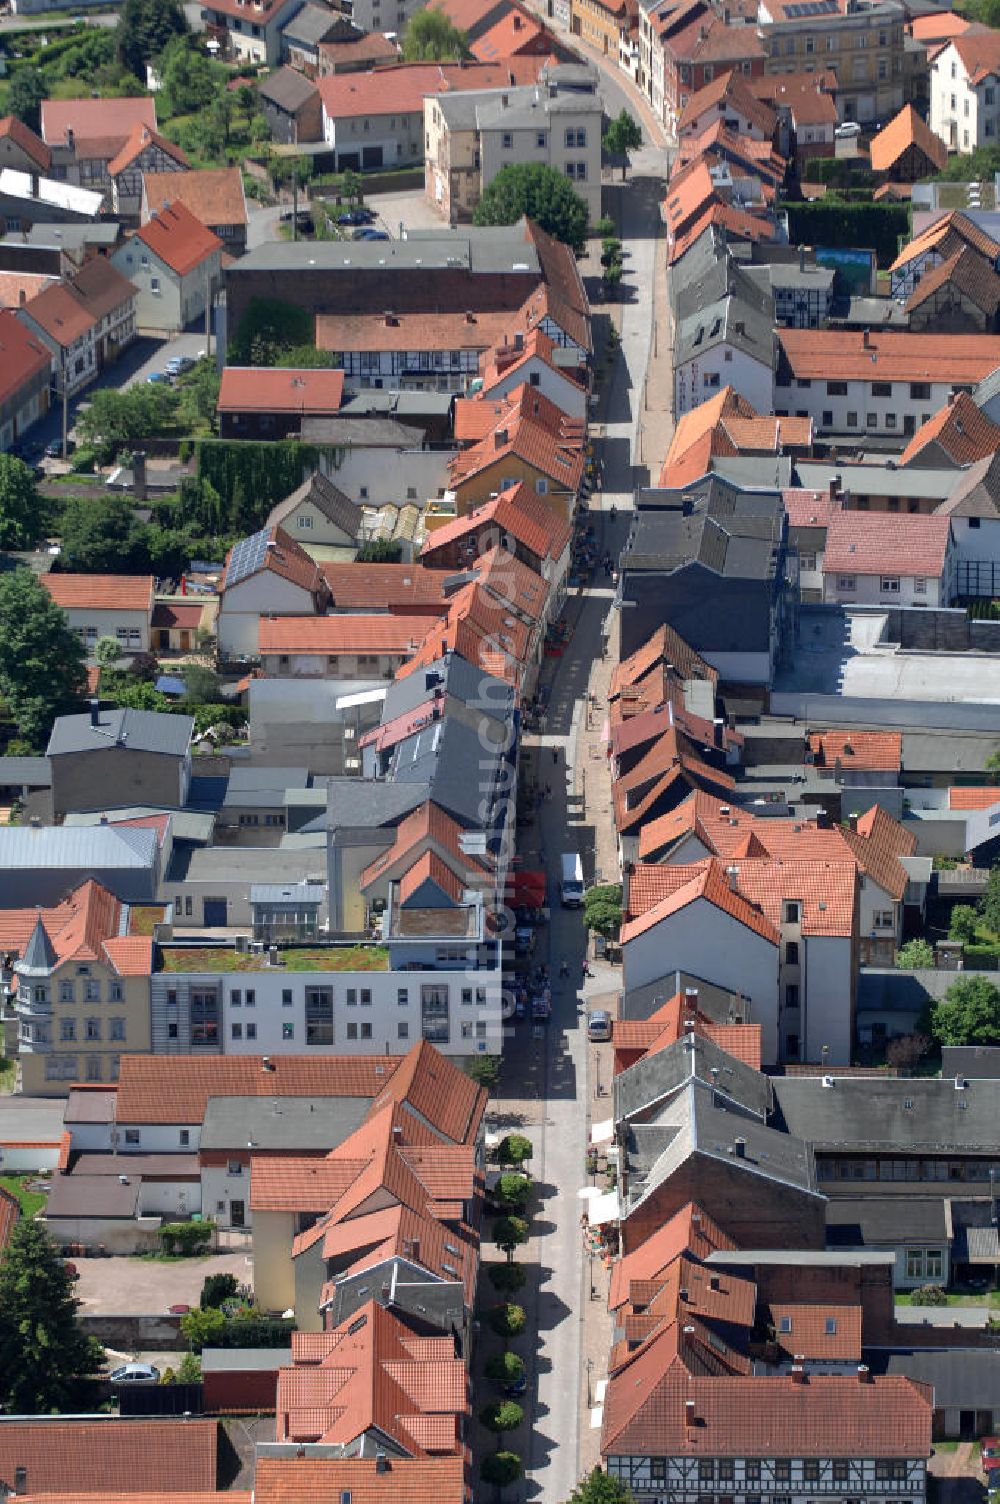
{"points": [[655, 1078], [457, 678], [876, 480], [987, 389], [400, 404], [963, 1378], [68, 237], [815, 1258], [327, 499], [299, 1123], [954, 752], [366, 803], [93, 1196], [352, 432], [975, 1061], [859, 1222], [444, 756], [145, 730], [39, 957], [244, 864], [976, 491], [304, 893], [185, 824], [489, 251], [312, 24], [244, 1359], [99, 847], [249, 786], [288, 89], [735, 320], [35, 772], [733, 538], [892, 1114]]}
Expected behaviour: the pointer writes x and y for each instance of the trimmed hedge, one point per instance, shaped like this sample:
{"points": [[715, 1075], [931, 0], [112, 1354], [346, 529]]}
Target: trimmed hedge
{"points": [[869, 226]]}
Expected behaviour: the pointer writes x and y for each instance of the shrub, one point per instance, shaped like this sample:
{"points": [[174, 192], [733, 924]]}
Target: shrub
{"points": [[963, 923], [501, 1416], [203, 1329], [929, 1295], [507, 1279], [504, 1368], [513, 1190], [484, 1070], [217, 1289], [514, 1149], [509, 1233], [186, 1238], [507, 1320], [915, 955]]}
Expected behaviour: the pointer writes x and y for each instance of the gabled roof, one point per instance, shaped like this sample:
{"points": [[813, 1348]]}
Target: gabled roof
{"points": [[401, 88], [691, 1231], [23, 136], [527, 424], [101, 592], [272, 549], [214, 195], [501, 361], [428, 823], [433, 1088], [647, 1412], [878, 841], [867, 543], [830, 1332], [635, 1038], [726, 424], [979, 53], [905, 130], [255, 389], [959, 430], [178, 239], [312, 1480], [681, 886], [384, 587], [57, 312], [90, 118], [327, 498], [728, 91], [349, 632], [868, 751], [952, 230], [288, 89], [177, 1089], [140, 137], [881, 355], [534, 522], [978, 798], [970, 273], [109, 1455], [100, 287], [664, 646]]}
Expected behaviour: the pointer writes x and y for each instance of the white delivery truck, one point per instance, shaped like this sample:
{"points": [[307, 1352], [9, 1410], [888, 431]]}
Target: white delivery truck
{"points": [[571, 883]]}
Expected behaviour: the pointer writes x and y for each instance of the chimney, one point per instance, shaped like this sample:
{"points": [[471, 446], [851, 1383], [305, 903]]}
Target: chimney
{"points": [[470, 317], [798, 1374], [866, 339], [689, 1416], [733, 874], [265, 1063], [34, 185], [20, 1480], [739, 327], [864, 1374], [415, 1245], [952, 398], [70, 138], [95, 711], [22, 297], [834, 487], [683, 1293], [740, 1148]]}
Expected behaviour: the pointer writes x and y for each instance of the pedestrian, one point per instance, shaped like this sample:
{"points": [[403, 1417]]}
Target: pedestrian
{"points": [[548, 791], [555, 754]]}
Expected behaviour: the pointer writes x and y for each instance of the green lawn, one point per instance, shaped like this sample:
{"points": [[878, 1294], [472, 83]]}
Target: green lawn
{"points": [[956, 1298], [31, 1201], [323, 958], [145, 917]]}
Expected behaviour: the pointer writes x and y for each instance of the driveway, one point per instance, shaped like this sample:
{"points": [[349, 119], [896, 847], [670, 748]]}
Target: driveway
{"points": [[141, 1287]]}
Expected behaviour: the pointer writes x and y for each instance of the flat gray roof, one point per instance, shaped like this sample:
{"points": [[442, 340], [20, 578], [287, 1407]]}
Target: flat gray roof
{"points": [[297, 1123], [810, 1257], [878, 480], [185, 824], [243, 864], [244, 1359], [492, 250], [90, 1196]]}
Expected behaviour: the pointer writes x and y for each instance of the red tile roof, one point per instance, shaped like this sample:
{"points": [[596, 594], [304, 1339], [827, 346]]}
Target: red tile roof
{"points": [[101, 592], [214, 195], [178, 239], [85, 926], [402, 88], [818, 1332], [905, 130], [646, 1412], [256, 389], [727, 424], [635, 1038], [102, 1457], [690, 1230], [870, 751], [514, 33], [89, 118], [100, 287], [373, 47], [500, 362], [751, 890], [139, 139], [938, 26], [807, 508], [280, 1182], [378, 587], [177, 1089], [981, 798], [308, 1480], [869, 543], [878, 841], [347, 633], [979, 53], [527, 424], [856, 355], [428, 823], [284, 557], [959, 428], [657, 893], [727, 92], [435, 1088], [59, 314], [537, 524], [23, 136], [967, 272], [946, 234]]}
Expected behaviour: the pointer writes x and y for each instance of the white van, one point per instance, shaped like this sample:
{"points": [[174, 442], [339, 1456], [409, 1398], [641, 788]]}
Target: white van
{"points": [[571, 885]]}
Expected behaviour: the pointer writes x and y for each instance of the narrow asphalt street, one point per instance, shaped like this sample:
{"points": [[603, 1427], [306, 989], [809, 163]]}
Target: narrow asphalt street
{"points": [[544, 1088]]}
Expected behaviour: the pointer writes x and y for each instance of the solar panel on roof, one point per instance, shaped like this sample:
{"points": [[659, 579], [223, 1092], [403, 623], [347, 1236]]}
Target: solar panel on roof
{"points": [[247, 557]]}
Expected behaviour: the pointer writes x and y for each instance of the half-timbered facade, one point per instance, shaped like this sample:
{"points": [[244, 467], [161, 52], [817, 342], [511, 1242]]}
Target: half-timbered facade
{"points": [[144, 151], [797, 1480]]}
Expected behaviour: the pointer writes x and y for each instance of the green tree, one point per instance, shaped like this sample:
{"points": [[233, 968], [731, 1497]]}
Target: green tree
{"points": [[201, 685], [101, 534], [217, 1288], [107, 651], [24, 96], [484, 1070], [602, 909], [352, 186], [507, 1320], [203, 1328], [22, 512], [507, 1279], [145, 27], [501, 1416], [514, 1149], [623, 135], [964, 920], [598, 1488], [969, 1013], [501, 1469], [513, 1190], [540, 192], [41, 660], [379, 551], [429, 37], [506, 1367], [45, 1359], [992, 763], [915, 955], [989, 904], [189, 1369], [509, 1233]]}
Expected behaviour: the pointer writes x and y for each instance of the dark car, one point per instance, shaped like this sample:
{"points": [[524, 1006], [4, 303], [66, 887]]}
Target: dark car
{"points": [[516, 1387], [373, 235], [358, 216], [53, 451]]}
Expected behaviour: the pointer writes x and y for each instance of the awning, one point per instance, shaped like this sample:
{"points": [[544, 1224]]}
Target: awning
{"points": [[602, 1133], [528, 888], [603, 1209]]}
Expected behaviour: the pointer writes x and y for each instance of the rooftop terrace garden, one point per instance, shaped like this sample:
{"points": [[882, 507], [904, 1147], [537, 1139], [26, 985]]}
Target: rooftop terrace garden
{"points": [[308, 958]]}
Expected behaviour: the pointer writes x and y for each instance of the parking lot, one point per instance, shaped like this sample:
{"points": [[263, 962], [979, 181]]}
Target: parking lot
{"points": [[149, 1286]]}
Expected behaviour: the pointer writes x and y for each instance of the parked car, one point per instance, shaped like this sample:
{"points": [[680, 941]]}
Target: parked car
{"points": [[357, 216], [135, 1373], [372, 235], [53, 451], [516, 1387], [156, 377], [178, 364], [848, 130], [599, 1026]]}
